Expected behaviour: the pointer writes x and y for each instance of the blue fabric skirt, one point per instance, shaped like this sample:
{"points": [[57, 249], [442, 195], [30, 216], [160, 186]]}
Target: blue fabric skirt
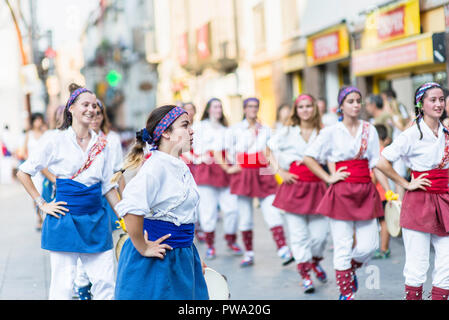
{"points": [[86, 228], [178, 276]]}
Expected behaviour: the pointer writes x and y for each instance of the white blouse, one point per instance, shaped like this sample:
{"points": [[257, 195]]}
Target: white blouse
{"points": [[288, 145], [241, 138], [60, 152], [163, 189], [115, 145], [418, 155], [335, 143], [207, 136]]}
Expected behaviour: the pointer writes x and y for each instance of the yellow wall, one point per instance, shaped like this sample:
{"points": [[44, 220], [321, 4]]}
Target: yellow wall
{"points": [[265, 92], [433, 20]]}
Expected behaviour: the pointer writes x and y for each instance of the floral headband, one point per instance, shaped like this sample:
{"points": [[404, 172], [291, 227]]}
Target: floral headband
{"points": [[166, 122], [75, 95], [422, 90]]}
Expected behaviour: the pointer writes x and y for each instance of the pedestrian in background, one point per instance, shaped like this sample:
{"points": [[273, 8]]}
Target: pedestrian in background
{"points": [[252, 178], [76, 224], [328, 117], [32, 143], [425, 209], [351, 202], [212, 178], [159, 259], [301, 190], [282, 115], [382, 187]]}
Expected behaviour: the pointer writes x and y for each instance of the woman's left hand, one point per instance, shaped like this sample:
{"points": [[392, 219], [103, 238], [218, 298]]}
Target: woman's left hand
{"points": [[204, 266]]}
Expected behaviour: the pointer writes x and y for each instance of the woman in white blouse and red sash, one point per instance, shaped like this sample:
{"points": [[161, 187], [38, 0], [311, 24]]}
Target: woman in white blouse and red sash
{"points": [[252, 178], [351, 202], [301, 191], [424, 147]]}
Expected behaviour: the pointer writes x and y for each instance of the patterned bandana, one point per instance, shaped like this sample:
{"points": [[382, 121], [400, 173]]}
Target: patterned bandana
{"points": [[345, 93], [303, 97], [166, 122], [249, 100], [422, 90], [100, 104], [75, 95]]}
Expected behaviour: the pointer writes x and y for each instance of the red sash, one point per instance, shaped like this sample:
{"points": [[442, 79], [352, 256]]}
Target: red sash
{"points": [[439, 179], [252, 160], [303, 172], [96, 149], [358, 169]]}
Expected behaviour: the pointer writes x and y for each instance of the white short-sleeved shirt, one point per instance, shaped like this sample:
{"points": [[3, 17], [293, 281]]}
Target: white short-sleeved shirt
{"points": [[335, 143], [115, 146], [418, 155], [60, 152], [163, 189], [207, 136], [241, 138], [288, 145]]}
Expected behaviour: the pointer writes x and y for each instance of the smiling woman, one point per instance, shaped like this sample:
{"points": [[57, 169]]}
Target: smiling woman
{"points": [[76, 225]]}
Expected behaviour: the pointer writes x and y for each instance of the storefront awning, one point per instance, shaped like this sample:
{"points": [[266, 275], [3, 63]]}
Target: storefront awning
{"points": [[420, 50]]}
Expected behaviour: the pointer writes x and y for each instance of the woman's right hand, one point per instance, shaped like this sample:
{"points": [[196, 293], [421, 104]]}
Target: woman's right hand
{"points": [[338, 175], [287, 177], [418, 183], [234, 169], [54, 208], [155, 248]]}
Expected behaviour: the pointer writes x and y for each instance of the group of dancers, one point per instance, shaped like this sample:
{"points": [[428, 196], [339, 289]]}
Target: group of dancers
{"points": [[310, 178]]}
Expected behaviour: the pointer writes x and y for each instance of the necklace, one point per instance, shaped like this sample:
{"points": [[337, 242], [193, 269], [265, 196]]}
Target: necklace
{"points": [[82, 139]]}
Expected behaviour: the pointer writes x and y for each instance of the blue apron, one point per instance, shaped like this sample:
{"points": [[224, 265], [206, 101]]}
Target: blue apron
{"points": [[112, 216], [47, 190], [85, 228], [178, 276]]}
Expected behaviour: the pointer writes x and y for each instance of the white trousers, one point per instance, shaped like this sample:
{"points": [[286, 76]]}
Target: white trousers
{"points": [[307, 234], [367, 241], [271, 215], [211, 198], [98, 266], [417, 256]]}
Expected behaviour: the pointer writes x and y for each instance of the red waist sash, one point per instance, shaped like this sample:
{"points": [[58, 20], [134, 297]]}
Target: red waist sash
{"points": [[252, 160], [303, 172], [439, 179], [358, 169]]}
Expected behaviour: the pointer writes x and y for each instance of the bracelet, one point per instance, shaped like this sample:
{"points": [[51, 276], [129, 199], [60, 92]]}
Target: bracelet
{"points": [[39, 201]]}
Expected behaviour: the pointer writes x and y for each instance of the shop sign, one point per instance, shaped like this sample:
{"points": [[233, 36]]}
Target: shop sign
{"points": [[183, 54], [329, 45], [392, 22], [203, 43]]}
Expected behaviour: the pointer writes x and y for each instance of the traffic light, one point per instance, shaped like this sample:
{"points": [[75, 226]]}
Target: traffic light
{"points": [[113, 78]]}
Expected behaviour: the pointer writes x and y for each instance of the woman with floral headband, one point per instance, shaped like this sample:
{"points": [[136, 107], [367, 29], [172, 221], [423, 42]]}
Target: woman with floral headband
{"points": [[76, 224], [424, 147], [159, 260], [301, 190], [252, 178], [351, 201]]}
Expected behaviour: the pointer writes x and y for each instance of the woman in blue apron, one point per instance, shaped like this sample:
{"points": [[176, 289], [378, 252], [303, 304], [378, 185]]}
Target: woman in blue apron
{"points": [[76, 224], [159, 261]]}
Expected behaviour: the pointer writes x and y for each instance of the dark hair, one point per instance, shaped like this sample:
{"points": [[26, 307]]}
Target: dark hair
{"points": [[105, 125], [390, 93], [282, 106], [381, 131], [377, 100], [136, 155], [205, 115], [36, 115], [67, 116]]}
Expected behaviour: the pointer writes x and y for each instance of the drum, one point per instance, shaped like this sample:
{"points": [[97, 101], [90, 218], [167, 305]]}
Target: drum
{"points": [[217, 285], [392, 215], [119, 244]]}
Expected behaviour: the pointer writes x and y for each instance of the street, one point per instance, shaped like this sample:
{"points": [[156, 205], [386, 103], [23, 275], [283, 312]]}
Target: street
{"points": [[25, 269]]}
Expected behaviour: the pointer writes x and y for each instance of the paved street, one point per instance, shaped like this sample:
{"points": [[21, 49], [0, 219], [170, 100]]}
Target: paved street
{"points": [[25, 270]]}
